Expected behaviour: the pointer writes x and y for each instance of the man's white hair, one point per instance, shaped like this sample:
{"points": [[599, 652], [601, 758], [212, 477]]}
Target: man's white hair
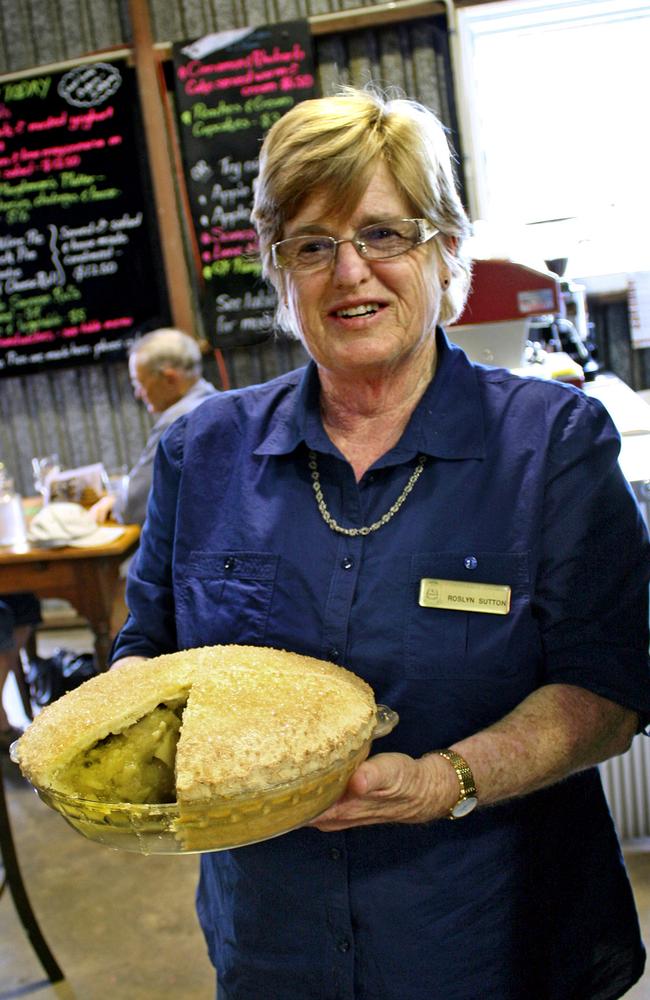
{"points": [[168, 348]]}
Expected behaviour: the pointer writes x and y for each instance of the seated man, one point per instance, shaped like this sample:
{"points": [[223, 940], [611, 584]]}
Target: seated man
{"points": [[165, 370], [19, 615]]}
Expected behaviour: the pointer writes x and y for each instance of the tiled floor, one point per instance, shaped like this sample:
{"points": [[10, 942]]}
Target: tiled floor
{"points": [[122, 926]]}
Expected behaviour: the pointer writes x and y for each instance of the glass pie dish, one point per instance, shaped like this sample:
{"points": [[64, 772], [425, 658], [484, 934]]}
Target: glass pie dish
{"points": [[219, 825]]}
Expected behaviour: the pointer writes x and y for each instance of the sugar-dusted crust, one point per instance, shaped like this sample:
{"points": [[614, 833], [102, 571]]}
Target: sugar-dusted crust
{"points": [[254, 717], [268, 717]]}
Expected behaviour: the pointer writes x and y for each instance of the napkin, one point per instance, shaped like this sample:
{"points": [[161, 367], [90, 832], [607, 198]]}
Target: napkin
{"points": [[59, 524]]}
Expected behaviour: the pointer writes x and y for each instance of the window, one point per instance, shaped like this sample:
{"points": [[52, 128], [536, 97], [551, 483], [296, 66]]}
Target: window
{"points": [[554, 113]]}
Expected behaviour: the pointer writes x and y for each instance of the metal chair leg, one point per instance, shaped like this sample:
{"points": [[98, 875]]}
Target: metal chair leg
{"points": [[30, 645], [23, 686], [19, 893]]}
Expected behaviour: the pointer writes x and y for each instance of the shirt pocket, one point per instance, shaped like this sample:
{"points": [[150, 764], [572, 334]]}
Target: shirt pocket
{"points": [[444, 642], [225, 597]]}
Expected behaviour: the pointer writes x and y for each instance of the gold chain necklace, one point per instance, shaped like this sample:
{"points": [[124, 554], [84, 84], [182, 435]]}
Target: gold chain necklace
{"points": [[384, 519]]}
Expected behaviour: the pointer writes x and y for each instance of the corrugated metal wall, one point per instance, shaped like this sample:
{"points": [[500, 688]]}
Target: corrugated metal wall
{"points": [[88, 414], [626, 781]]}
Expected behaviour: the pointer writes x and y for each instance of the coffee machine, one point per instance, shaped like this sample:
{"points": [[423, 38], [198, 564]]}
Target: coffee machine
{"points": [[570, 330]]}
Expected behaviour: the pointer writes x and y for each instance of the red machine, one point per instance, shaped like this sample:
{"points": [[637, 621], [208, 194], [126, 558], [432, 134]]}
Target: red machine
{"points": [[504, 298], [503, 291]]}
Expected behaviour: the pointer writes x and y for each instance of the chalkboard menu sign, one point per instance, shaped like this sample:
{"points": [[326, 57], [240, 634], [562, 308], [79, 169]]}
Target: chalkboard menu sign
{"points": [[79, 267], [230, 88]]}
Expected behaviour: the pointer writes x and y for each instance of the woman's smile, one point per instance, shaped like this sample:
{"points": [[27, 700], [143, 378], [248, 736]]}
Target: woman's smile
{"points": [[357, 314], [357, 311]]}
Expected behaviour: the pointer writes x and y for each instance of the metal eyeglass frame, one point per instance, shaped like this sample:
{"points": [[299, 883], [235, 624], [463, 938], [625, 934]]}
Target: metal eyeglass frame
{"points": [[426, 232]]}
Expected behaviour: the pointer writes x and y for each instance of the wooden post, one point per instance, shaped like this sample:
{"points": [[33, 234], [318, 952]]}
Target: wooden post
{"points": [[161, 163]]}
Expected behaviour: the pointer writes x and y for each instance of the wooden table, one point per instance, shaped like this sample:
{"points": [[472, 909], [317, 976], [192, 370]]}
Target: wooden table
{"points": [[87, 578]]}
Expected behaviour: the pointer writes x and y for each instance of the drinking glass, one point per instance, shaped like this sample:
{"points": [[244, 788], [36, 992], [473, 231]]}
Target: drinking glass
{"points": [[42, 468], [116, 481]]}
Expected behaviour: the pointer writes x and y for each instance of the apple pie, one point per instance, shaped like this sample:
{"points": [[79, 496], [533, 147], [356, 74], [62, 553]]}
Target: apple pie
{"points": [[199, 725]]}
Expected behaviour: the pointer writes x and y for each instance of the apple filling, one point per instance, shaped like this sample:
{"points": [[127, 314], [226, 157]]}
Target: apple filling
{"points": [[136, 765]]}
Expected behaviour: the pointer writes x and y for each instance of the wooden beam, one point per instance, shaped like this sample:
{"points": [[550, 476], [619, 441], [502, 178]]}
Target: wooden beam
{"points": [[162, 170], [356, 18]]}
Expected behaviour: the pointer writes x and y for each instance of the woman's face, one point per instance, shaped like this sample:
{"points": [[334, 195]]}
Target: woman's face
{"points": [[362, 316]]}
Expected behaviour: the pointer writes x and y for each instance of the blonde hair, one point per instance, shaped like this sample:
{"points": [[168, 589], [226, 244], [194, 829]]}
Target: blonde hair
{"points": [[335, 144]]}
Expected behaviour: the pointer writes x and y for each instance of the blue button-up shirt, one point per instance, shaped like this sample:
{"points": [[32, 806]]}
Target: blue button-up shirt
{"points": [[521, 487]]}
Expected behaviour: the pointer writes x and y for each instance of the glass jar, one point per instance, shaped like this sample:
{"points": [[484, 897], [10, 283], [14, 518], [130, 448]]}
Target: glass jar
{"points": [[12, 519]]}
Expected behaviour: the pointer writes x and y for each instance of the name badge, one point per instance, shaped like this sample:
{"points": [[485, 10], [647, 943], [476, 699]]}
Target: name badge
{"points": [[488, 598]]}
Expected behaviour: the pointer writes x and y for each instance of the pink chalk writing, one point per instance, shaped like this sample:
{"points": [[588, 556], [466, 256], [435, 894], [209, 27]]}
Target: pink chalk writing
{"points": [[89, 118], [18, 339], [247, 79], [88, 328], [74, 147], [258, 57]]}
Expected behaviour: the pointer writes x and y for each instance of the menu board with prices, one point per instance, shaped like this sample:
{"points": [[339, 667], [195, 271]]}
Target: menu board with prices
{"points": [[79, 264], [230, 89]]}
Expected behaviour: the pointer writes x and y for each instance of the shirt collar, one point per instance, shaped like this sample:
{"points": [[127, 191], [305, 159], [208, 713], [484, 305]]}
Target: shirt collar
{"points": [[199, 389], [448, 421]]}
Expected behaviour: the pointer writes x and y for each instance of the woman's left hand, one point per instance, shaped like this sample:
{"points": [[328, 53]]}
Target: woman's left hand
{"points": [[392, 788]]}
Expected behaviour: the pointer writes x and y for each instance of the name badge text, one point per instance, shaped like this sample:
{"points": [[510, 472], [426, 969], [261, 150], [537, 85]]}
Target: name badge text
{"points": [[457, 595]]}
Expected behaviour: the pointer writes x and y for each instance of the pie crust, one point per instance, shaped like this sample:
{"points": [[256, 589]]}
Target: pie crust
{"points": [[252, 718]]}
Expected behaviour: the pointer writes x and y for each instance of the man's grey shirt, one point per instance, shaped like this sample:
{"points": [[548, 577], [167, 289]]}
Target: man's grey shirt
{"points": [[132, 508]]}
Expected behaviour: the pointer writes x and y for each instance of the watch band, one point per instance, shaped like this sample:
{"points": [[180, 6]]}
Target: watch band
{"points": [[468, 799]]}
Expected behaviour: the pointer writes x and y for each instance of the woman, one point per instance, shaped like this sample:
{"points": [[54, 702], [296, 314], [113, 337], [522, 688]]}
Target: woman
{"points": [[361, 510]]}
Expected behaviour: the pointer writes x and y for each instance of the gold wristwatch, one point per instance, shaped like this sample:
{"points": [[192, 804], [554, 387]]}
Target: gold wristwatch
{"points": [[468, 799]]}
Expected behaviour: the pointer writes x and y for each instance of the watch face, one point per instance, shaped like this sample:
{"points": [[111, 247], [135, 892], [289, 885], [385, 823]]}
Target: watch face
{"points": [[464, 807]]}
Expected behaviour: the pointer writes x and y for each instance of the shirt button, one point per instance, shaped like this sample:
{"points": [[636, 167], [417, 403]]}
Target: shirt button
{"points": [[348, 562], [229, 562], [333, 653], [470, 562], [335, 854], [343, 945]]}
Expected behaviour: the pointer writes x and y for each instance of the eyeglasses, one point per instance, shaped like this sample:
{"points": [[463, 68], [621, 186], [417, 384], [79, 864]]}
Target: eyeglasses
{"points": [[379, 241]]}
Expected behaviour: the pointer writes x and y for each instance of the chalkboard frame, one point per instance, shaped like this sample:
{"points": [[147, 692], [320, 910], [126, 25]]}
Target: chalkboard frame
{"points": [[145, 289]]}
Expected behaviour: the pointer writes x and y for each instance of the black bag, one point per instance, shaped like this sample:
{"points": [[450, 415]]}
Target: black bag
{"points": [[50, 677]]}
